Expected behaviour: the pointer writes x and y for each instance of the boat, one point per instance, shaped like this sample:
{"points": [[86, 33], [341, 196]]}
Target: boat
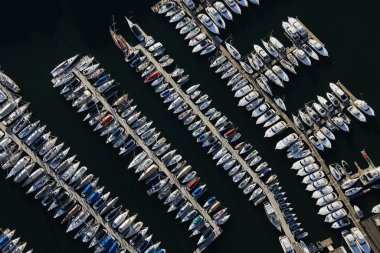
{"points": [[339, 122], [166, 7], [310, 52], [264, 85], [291, 31], [288, 66], [286, 246], [223, 10], [216, 17], [261, 53], [318, 47], [233, 51], [187, 28], [301, 55], [341, 223], [322, 138], [360, 239], [356, 113], [363, 106], [183, 22], [194, 32], [335, 216], [206, 235], [280, 73], [325, 195], [61, 67], [351, 241], [287, 141], [233, 6], [176, 17], [273, 78], [208, 23], [332, 207], [275, 129], [272, 215], [317, 184], [352, 191]]}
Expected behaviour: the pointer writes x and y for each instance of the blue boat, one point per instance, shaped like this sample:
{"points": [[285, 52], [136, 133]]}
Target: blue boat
{"points": [[114, 248], [88, 188], [209, 202], [94, 195], [199, 191], [105, 244], [102, 80]]}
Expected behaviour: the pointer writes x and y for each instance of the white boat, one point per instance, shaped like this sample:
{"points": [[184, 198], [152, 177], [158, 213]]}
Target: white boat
{"points": [[216, 17], [339, 92], [229, 72], [351, 242], [318, 47], [273, 78], [326, 198], [207, 22], [211, 47], [286, 246], [266, 116], [287, 141], [376, 209], [362, 105], [8, 82], [332, 207], [243, 3], [317, 184], [303, 162], [337, 215], [63, 66], [197, 39], [233, 6], [319, 109], [233, 51], [264, 85], [247, 68], [335, 172], [187, 28], [356, 113], [316, 142], [297, 25], [325, 141], [178, 16], [217, 61], [291, 31], [248, 98], [183, 22], [298, 122], [301, 55], [277, 44], [310, 52], [280, 103], [313, 177], [260, 110], [352, 191], [270, 48], [325, 103], [243, 91], [360, 239], [280, 73], [223, 10], [349, 183], [203, 44], [166, 7], [260, 52], [305, 118], [334, 101], [193, 33], [338, 121], [275, 129]]}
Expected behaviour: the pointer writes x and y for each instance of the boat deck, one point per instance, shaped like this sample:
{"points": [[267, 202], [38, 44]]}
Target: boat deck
{"points": [[85, 206], [152, 155]]}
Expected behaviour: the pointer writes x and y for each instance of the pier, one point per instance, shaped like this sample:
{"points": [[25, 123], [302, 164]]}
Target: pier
{"points": [[99, 219], [152, 155], [284, 116]]}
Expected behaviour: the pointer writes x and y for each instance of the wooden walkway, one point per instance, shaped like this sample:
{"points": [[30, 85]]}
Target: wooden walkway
{"points": [[85, 206], [152, 155]]}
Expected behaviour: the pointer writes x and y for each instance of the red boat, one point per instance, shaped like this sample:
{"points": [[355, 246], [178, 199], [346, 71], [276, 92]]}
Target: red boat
{"points": [[190, 185], [152, 76], [229, 132], [107, 119]]}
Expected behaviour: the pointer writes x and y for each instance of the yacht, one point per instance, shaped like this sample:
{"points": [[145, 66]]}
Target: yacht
{"points": [[215, 63], [280, 73], [332, 207], [197, 39], [356, 113], [335, 216], [187, 28], [194, 32], [352, 191], [325, 141], [335, 171], [360, 239], [166, 7], [338, 121], [216, 17], [339, 92], [233, 51], [260, 52], [270, 48], [341, 223], [260, 110], [266, 116], [243, 3], [272, 216], [319, 109], [291, 31], [351, 241], [185, 21], [362, 105], [178, 16], [325, 103], [207, 22], [272, 77], [298, 122], [313, 177], [287, 141], [297, 25], [233, 6], [318, 47], [310, 52], [334, 101], [286, 246], [277, 44], [324, 196], [317, 184], [303, 162], [301, 55], [223, 10], [62, 66], [248, 98]]}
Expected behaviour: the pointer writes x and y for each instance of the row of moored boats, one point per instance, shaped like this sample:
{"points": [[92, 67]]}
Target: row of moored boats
{"points": [[9, 244]]}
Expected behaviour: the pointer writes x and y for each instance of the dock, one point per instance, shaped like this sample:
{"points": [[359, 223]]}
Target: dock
{"points": [[372, 228], [268, 99], [85, 206], [153, 156]]}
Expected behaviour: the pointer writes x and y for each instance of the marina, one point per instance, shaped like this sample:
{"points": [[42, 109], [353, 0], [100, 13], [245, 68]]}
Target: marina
{"points": [[60, 184], [289, 188], [163, 167]]}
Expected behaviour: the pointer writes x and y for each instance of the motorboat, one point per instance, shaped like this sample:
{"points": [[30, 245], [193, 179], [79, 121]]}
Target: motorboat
{"points": [[325, 199], [233, 51], [313, 177], [341, 223], [288, 66], [183, 22], [266, 116], [363, 106], [337, 215], [264, 85], [208, 49], [325, 141], [229, 72], [223, 10], [317, 184], [351, 241], [302, 57], [280, 73], [310, 52], [248, 98], [356, 113], [287, 141], [208, 23], [260, 110], [298, 122], [277, 45], [166, 7], [305, 118], [339, 122], [319, 109], [291, 31], [233, 6], [61, 67], [272, 215], [243, 3], [261, 53], [338, 92], [325, 103], [332, 207], [197, 39], [318, 47], [335, 171], [286, 246], [352, 191], [298, 26], [216, 17], [334, 101], [176, 17], [194, 32]]}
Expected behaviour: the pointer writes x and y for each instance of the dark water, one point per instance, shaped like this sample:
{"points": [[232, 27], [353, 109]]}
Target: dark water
{"points": [[35, 37]]}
